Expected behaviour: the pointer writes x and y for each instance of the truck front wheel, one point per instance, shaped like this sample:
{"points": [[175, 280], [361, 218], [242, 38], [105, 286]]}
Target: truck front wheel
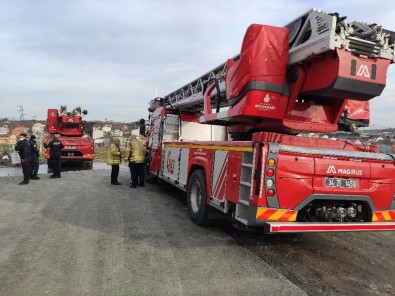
{"points": [[197, 198]]}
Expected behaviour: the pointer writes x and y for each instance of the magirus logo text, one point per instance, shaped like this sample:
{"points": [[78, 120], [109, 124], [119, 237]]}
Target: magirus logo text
{"points": [[352, 172]]}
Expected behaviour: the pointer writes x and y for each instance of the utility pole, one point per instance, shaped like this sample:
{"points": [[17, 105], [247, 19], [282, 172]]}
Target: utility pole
{"points": [[21, 114]]}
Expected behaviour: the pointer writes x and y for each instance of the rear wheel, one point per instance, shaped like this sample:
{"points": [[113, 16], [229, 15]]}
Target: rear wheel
{"points": [[197, 198]]}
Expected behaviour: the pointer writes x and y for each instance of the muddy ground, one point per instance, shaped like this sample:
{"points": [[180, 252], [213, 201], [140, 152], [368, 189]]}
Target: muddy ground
{"points": [[81, 236], [330, 264]]}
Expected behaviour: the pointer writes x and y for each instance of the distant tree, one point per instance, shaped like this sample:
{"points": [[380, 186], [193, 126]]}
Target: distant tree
{"points": [[87, 127]]}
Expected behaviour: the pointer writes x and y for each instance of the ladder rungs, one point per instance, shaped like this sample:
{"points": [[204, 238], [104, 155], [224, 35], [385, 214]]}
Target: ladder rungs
{"points": [[249, 165]]}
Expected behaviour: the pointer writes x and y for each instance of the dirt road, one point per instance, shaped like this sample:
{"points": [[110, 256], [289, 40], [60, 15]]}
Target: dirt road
{"points": [[81, 236]]}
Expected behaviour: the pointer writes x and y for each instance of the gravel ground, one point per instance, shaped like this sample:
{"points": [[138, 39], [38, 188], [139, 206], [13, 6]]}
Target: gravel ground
{"points": [[79, 235]]}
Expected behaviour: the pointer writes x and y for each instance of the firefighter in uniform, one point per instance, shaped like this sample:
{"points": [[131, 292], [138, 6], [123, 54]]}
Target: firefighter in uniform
{"points": [[55, 152], [114, 159], [135, 155], [24, 150], [34, 163]]}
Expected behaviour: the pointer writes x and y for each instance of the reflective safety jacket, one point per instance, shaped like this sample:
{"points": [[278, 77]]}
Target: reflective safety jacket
{"points": [[114, 155], [135, 152]]}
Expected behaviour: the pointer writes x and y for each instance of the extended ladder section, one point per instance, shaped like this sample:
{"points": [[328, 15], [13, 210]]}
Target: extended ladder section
{"points": [[316, 32], [278, 79], [189, 98]]}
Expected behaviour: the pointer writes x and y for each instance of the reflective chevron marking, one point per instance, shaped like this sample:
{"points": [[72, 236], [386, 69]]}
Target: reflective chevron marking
{"points": [[276, 214]]}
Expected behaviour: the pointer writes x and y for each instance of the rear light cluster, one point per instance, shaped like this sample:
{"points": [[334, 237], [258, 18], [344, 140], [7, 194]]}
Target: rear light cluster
{"points": [[270, 178]]}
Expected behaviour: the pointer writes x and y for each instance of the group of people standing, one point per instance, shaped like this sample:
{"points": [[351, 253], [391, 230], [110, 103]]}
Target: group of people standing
{"points": [[134, 154], [29, 155]]}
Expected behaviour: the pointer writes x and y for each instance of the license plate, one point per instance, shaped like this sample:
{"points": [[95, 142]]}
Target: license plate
{"points": [[340, 183], [70, 154]]}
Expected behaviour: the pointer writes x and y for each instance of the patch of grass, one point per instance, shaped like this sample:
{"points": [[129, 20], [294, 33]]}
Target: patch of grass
{"points": [[101, 154], [6, 147]]}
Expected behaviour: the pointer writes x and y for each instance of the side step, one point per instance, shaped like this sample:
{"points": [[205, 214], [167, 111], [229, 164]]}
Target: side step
{"points": [[293, 227]]}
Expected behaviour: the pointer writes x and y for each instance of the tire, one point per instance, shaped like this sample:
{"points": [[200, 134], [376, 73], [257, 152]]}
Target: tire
{"points": [[197, 198], [152, 179], [88, 163]]}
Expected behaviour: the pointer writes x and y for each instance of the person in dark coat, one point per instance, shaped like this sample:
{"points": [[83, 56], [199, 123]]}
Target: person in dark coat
{"points": [[24, 150], [34, 163], [55, 152]]}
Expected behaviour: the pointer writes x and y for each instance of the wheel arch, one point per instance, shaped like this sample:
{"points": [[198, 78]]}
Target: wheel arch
{"points": [[197, 196], [202, 167]]}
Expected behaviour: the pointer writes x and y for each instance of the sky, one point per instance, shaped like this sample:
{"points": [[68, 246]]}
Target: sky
{"points": [[111, 57]]}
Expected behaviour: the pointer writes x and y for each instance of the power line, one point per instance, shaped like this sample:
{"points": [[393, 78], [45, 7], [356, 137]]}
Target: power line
{"points": [[21, 114]]}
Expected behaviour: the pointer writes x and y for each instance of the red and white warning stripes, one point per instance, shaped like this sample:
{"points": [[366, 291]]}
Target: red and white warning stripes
{"points": [[276, 214], [218, 186], [383, 216]]}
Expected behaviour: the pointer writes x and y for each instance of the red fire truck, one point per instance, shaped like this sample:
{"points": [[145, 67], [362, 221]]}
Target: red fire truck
{"points": [[236, 138], [69, 129]]}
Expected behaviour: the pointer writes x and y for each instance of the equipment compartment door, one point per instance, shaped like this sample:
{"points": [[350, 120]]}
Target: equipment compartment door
{"points": [[220, 168], [171, 165]]}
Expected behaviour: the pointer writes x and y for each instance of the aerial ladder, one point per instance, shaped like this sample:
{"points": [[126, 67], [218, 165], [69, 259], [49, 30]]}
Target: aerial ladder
{"points": [[316, 74], [343, 56]]}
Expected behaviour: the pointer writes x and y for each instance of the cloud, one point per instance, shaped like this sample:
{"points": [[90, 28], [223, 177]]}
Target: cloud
{"points": [[111, 57]]}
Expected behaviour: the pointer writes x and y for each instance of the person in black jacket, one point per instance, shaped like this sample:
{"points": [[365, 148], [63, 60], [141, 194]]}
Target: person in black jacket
{"points": [[34, 158], [55, 151], [23, 147]]}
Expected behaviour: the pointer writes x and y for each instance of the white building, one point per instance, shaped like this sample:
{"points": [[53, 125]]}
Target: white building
{"points": [[117, 133], [97, 134], [38, 128], [107, 128], [4, 130]]}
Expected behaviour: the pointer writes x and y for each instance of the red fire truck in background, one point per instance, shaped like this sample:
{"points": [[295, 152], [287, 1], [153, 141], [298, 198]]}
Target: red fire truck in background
{"points": [[235, 138], [68, 127]]}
